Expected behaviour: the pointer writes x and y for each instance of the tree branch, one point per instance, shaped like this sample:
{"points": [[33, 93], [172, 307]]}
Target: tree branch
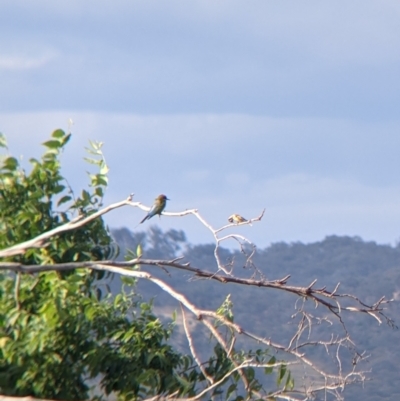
{"points": [[322, 296]]}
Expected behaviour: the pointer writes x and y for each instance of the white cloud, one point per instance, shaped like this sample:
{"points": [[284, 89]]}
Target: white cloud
{"points": [[281, 58], [22, 62]]}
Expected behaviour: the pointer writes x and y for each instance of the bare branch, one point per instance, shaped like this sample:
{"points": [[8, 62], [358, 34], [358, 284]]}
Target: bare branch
{"points": [[328, 299], [192, 349]]}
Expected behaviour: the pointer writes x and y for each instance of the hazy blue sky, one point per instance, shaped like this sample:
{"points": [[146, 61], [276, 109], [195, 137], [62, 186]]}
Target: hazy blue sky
{"points": [[226, 106]]}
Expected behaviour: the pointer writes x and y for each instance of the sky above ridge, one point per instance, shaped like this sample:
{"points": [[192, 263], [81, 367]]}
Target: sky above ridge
{"points": [[224, 106]]}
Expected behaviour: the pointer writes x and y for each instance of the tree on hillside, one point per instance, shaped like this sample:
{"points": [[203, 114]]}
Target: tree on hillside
{"points": [[64, 336]]}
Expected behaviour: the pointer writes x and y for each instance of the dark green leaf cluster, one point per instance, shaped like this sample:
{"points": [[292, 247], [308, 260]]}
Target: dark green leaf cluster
{"points": [[58, 336]]}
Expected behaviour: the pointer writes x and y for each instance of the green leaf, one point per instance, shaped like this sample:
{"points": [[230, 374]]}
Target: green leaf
{"points": [[58, 133], [99, 192], [85, 196], [3, 141], [66, 139], [269, 370], [93, 144], [52, 144], [250, 374], [104, 169], [100, 180], [3, 341], [90, 313], [11, 163], [230, 390], [289, 382], [58, 188], [49, 312], [139, 251], [64, 199], [281, 374], [91, 161], [129, 281], [13, 316], [96, 145]]}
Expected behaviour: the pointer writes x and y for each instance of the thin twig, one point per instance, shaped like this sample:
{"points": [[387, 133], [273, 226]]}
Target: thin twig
{"points": [[192, 349]]}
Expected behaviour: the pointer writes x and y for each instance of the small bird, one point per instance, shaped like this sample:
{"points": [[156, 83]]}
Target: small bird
{"points": [[236, 218], [157, 208]]}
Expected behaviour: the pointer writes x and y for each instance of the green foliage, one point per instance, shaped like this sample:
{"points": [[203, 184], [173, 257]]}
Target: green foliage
{"points": [[225, 310], [58, 336], [27, 209], [58, 331]]}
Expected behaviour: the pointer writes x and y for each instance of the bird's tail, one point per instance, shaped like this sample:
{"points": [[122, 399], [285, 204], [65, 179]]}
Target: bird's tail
{"points": [[144, 219]]}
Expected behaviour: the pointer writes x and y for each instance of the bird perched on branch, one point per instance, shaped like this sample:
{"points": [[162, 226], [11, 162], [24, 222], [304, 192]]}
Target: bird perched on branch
{"points": [[157, 208], [236, 218]]}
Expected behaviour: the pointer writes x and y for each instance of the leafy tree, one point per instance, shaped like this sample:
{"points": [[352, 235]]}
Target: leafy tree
{"points": [[27, 207], [58, 330]]}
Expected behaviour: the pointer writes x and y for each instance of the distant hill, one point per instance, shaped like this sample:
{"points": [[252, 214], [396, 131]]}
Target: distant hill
{"points": [[365, 269]]}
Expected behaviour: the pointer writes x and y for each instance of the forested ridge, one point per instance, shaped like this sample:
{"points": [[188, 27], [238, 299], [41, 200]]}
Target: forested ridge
{"points": [[366, 269]]}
